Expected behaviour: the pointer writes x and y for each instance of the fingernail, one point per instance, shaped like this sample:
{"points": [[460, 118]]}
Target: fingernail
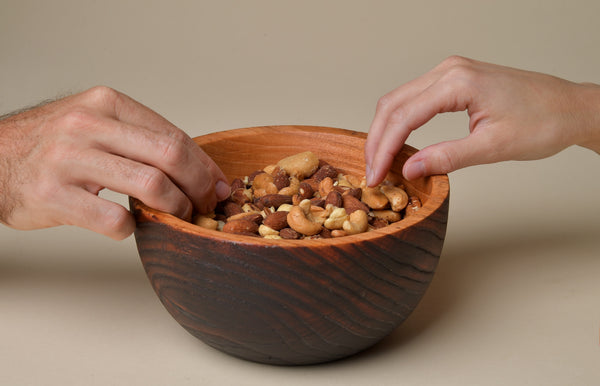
{"points": [[414, 170], [223, 190], [369, 174]]}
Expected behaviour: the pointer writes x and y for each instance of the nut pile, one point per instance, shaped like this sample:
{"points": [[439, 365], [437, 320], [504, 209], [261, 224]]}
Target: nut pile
{"points": [[302, 197]]}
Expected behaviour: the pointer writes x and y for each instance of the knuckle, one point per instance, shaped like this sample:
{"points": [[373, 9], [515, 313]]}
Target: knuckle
{"points": [[455, 60], [174, 149], [102, 94], [118, 222], [398, 116], [384, 103], [152, 181]]}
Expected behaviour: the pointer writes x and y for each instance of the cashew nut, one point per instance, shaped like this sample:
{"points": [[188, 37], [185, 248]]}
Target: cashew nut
{"points": [[396, 195], [354, 180], [300, 165], [374, 198], [319, 215], [265, 231], [263, 185], [357, 222], [284, 207], [325, 186], [205, 221], [300, 219], [292, 188], [336, 219], [387, 215]]}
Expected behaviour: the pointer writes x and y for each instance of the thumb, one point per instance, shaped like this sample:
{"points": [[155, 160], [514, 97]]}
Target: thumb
{"points": [[446, 157]]}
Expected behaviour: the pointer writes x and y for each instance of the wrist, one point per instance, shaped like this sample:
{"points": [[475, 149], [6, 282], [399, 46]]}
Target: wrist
{"points": [[589, 100]]}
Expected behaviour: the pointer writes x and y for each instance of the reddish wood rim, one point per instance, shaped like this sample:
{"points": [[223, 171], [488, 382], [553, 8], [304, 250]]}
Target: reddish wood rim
{"points": [[439, 194]]}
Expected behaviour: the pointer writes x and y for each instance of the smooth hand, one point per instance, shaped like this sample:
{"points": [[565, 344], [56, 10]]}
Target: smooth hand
{"points": [[514, 115]]}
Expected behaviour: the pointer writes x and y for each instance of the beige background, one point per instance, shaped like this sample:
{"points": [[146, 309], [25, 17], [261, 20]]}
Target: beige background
{"points": [[516, 299]]}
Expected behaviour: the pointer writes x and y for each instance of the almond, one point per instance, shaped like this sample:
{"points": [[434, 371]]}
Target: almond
{"points": [[274, 200], [352, 204], [289, 233], [276, 220], [241, 227], [325, 171]]}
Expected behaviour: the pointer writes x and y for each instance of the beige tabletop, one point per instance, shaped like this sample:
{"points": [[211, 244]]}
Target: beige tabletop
{"points": [[516, 298]]}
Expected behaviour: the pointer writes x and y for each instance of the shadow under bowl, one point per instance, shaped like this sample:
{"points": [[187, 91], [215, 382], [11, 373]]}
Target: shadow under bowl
{"points": [[293, 302]]}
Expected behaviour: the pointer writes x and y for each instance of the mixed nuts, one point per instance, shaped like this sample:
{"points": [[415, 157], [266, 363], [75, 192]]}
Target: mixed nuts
{"points": [[303, 197]]}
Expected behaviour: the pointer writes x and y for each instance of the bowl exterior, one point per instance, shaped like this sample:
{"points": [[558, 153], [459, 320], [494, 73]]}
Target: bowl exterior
{"points": [[293, 302], [281, 305]]}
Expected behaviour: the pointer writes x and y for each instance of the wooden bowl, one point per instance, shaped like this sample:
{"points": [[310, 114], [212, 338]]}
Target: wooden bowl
{"points": [[293, 302]]}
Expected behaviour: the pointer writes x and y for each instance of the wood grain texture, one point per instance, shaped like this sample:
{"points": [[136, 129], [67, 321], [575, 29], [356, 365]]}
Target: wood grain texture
{"points": [[293, 301]]}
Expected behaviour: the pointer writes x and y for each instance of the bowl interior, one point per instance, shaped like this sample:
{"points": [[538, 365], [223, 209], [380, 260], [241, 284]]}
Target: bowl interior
{"points": [[242, 151]]}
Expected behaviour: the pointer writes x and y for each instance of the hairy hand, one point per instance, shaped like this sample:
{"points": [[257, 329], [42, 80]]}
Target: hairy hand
{"points": [[514, 115], [56, 158]]}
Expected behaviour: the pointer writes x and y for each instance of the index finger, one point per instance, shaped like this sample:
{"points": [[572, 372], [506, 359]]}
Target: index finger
{"points": [[443, 95]]}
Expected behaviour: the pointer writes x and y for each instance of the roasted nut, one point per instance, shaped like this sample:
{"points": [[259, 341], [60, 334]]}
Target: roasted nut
{"points": [[313, 183], [334, 198], [280, 178], [338, 233], [244, 227], [374, 198], [325, 186], [237, 184], [414, 203], [336, 218], [292, 188], [300, 219], [241, 196], [300, 165], [304, 197], [354, 192], [357, 222], [273, 200], [265, 231], [387, 215], [206, 221], [325, 233], [397, 197], [305, 191], [230, 208], [352, 204], [377, 223], [263, 185], [270, 169], [325, 171], [320, 214], [284, 207], [255, 217], [289, 234], [355, 181], [276, 220]]}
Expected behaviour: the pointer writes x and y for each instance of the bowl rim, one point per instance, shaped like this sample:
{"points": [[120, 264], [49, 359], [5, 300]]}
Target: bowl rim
{"points": [[439, 194]]}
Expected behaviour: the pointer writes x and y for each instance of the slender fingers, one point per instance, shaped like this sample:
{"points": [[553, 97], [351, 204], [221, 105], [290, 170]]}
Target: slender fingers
{"points": [[441, 96], [448, 156], [388, 104]]}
